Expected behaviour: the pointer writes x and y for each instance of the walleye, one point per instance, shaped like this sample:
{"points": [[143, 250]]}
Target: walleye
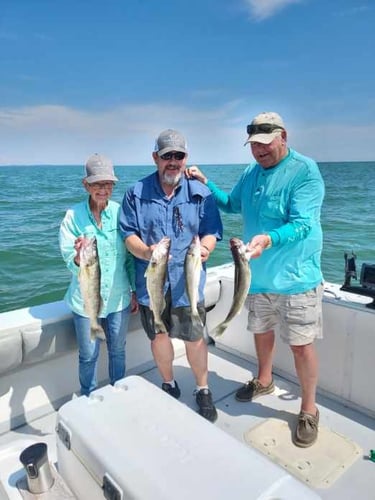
{"points": [[193, 267], [242, 279], [89, 280], [155, 278]]}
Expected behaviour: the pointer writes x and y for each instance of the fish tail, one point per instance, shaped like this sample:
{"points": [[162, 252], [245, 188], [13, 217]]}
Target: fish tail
{"points": [[197, 323], [97, 332], [197, 320], [220, 329], [160, 327]]}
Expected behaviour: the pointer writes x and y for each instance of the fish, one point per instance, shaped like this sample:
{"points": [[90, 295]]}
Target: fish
{"points": [[89, 282], [155, 274], [193, 267], [242, 280]]}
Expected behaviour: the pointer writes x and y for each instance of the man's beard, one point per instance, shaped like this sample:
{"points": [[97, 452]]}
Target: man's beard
{"points": [[171, 179]]}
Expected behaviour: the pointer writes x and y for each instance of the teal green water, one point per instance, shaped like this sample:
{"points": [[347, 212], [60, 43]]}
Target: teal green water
{"points": [[33, 201]]}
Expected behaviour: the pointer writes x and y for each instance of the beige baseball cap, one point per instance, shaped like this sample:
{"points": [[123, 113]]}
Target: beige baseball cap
{"points": [[265, 127]]}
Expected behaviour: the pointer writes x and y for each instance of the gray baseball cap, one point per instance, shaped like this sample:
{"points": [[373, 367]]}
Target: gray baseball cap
{"points": [[170, 140], [99, 168]]}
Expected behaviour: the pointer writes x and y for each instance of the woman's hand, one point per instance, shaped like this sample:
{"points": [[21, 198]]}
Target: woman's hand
{"points": [[134, 307], [77, 247]]}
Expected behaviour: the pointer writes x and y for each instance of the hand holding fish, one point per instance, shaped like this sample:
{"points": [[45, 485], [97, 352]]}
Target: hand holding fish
{"points": [[134, 306], [205, 253], [193, 172], [207, 245], [77, 247], [149, 251], [258, 244]]}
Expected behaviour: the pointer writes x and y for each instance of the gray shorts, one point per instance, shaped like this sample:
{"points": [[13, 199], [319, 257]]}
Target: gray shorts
{"points": [[299, 316], [177, 320]]}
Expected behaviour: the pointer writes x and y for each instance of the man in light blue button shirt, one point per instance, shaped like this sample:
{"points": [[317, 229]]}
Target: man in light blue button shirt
{"points": [[97, 217], [166, 204]]}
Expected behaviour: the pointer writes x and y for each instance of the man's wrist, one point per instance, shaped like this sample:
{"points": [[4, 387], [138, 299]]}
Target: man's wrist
{"points": [[268, 242]]}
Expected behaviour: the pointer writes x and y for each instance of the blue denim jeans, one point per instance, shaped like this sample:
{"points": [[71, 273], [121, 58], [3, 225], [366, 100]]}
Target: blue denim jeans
{"points": [[115, 326]]}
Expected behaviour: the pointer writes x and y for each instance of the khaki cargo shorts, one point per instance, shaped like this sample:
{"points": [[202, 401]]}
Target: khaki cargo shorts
{"points": [[298, 317]]}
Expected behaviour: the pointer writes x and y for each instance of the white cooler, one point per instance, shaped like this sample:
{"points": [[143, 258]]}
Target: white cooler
{"points": [[134, 441]]}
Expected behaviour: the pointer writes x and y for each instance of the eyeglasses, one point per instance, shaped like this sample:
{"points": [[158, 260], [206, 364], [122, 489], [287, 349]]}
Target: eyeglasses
{"points": [[262, 128], [177, 156], [104, 185]]}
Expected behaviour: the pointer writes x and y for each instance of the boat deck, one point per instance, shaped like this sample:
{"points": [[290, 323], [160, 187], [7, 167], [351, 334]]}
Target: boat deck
{"points": [[227, 373]]}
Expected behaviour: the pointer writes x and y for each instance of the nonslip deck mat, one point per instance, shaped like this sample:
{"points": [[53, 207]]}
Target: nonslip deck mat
{"points": [[319, 466]]}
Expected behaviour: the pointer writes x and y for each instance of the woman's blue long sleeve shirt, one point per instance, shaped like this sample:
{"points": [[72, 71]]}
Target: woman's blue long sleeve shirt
{"points": [[116, 263]]}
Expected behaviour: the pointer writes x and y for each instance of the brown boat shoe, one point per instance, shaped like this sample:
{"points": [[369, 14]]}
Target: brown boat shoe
{"points": [[252, 389], [306, 432]]}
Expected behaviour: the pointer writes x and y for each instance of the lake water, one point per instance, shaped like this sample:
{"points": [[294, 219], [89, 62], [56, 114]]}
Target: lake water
{"points": [[34, 199]]}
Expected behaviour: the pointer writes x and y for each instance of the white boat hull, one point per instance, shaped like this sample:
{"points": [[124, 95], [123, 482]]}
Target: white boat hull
{"points": [[38, 374]]}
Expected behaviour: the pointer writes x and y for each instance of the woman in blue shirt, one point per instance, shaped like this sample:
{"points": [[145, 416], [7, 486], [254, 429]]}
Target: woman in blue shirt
{"points": [[97, 217]]}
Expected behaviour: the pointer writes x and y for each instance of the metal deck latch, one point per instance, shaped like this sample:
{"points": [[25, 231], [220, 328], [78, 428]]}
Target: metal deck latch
{"points": [[111, 489], [64, 434]]}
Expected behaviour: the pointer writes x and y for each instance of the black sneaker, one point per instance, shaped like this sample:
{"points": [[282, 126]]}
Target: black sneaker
{"points": [[206, 406], [252, 389], [172, 391]]}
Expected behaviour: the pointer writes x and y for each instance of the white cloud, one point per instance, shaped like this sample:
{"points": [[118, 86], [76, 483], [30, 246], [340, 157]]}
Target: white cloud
{"points": [[334, 142], [60, 135], [262, 9]]}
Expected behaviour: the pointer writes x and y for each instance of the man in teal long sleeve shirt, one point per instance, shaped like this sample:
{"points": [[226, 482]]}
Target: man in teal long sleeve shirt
{"points": [[280, 197]]}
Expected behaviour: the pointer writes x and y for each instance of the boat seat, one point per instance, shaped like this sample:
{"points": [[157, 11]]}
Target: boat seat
{"points": [[10, 349], [42, 341], [38, 333]]}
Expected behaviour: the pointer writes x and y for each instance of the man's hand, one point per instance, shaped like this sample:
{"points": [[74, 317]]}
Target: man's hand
{"points": [[193, 172], [258, 244]]}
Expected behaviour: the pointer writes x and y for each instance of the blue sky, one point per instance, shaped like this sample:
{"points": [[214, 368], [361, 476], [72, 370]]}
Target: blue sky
{"points": [[84, 76]]}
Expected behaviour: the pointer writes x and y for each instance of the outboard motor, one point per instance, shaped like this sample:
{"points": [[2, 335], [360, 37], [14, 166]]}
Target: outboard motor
{"points": [[350, 269], [367, 279], [38, 472]]}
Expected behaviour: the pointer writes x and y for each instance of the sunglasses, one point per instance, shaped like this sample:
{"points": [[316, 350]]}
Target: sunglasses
{"points": [[177, 156], [263, 128]]}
